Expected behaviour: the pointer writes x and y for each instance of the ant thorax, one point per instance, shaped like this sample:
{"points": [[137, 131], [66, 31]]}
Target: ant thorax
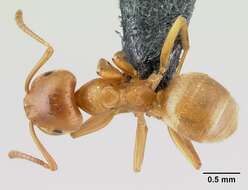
{"points": [[101, 95], [138, 96]]}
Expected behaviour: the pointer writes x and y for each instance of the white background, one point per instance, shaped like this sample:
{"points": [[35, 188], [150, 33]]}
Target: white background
{"points": [[81, 33]]}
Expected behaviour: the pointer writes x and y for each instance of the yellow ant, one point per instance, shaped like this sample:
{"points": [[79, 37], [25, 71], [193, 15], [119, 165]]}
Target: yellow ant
{"points": [[193, 106]]}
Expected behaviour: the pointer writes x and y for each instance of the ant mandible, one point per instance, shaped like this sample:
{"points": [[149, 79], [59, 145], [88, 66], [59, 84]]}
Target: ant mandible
{"points": [[193, 106]]}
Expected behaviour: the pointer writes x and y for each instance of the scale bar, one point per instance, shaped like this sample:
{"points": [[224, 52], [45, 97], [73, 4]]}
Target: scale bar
{"points": [[221, 172]]}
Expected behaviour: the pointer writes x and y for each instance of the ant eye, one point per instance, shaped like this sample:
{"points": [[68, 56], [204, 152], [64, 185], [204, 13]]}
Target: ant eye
{"points": [[47, 73], [57, 131]]}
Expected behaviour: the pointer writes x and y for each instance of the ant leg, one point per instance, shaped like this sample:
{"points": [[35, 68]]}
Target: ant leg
{"points": [[120, 61], [139, 149], [94, 123], [186, 147], [180, 27], [48, 53], [51, 162], [107, 71]]}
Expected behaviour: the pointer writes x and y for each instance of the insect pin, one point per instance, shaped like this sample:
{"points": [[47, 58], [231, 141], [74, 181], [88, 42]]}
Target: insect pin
{"points": [[194, 106]]}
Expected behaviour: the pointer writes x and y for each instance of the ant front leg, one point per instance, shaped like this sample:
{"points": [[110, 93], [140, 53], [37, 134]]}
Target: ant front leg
{"points": [[121, 62], [94, 123], [139, 149], [180, 27], [186, 147], [107, 71]]}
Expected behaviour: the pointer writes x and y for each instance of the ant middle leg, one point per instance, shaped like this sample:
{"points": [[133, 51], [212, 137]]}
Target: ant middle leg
{"points": [[48, 53], [139, 149]]}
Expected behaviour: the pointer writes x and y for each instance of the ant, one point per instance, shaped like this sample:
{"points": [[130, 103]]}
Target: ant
{"points": [[193, 106]]}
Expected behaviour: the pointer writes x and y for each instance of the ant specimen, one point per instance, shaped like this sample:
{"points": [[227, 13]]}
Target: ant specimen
{"points": [[193, 106]]}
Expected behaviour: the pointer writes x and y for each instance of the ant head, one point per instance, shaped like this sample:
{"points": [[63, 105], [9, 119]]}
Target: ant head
{"points": [[98, 96], [50, 103]]}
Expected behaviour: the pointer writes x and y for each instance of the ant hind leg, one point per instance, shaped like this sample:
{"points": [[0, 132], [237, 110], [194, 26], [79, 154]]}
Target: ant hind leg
{"points": [[180, 27], [186, 147]]}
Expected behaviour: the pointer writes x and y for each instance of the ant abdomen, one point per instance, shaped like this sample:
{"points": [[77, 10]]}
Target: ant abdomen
{"points": [[50, 103], [199, 108]]}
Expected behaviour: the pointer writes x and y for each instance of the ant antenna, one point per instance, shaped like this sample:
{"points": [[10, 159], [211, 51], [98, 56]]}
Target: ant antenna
{"points": [[48, 53]]}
